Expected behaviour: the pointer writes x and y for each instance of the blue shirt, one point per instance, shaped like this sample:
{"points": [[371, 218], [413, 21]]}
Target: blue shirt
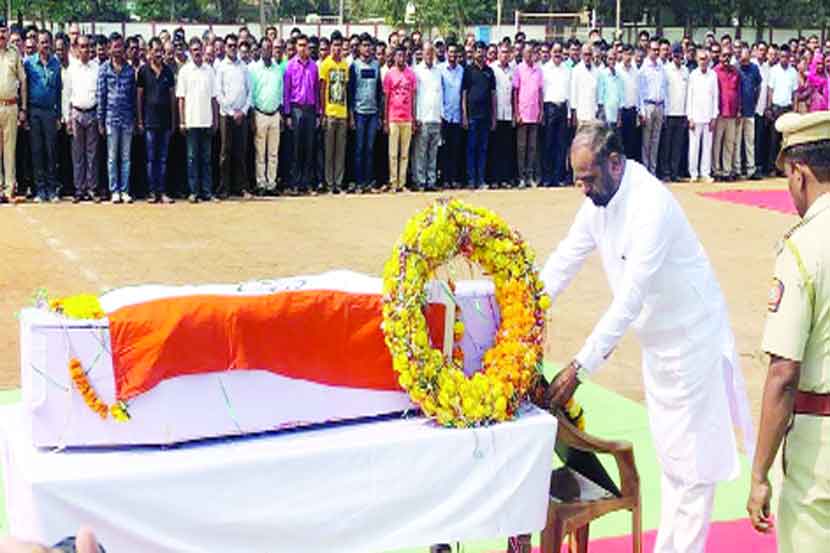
{"points": [[750, 88], [451, 84], [610, 94], [116, 95], [653, 84], [44, 83]]}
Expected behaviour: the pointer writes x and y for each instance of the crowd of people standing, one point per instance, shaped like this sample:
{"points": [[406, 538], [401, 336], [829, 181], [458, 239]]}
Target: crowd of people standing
{"points": [[98, 117]]}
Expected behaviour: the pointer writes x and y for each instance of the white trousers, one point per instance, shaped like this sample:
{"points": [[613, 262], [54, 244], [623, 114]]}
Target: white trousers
{"points": [[685, 512], [698, 156]]}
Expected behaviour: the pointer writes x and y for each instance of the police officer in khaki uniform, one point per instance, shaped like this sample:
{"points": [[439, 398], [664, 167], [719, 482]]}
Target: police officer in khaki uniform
{"points": [[12, 92], [796, 402]]}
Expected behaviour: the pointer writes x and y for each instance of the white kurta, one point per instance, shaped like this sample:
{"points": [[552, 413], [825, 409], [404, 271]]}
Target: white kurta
{"points": [[664, 287]]}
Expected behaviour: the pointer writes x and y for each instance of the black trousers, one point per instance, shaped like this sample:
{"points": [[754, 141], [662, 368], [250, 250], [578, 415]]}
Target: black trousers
{"points": [[671, 146], [630, 133], [44, 124], [65, 167], [304, 120], [452, 154], [233, 157], [762, 144], [502, 148], [23, 155], [775, 136], [284, 170], [555, 143]]}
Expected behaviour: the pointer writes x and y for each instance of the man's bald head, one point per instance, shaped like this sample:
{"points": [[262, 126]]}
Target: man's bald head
{"points": [[598, 162]]}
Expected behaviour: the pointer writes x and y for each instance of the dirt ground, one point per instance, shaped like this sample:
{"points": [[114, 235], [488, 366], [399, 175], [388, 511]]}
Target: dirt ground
{"points": [[70, 249]]}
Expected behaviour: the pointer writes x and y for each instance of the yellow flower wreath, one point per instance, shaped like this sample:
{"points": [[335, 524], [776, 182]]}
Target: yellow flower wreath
{"points": [[439, 386]]}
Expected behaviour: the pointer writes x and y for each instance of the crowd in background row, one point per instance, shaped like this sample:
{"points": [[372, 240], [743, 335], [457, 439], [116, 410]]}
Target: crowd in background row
{"points": [[98, 117]]}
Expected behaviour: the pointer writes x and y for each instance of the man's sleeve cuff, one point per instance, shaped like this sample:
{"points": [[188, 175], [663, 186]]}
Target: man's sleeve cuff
{"points": [[590, 358]]}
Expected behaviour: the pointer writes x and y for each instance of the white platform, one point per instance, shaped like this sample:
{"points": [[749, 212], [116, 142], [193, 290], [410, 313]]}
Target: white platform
{"points": [[362, 488]]}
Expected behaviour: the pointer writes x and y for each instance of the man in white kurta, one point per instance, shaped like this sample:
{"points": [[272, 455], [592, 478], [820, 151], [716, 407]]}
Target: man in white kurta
{"points": [[663, 287]]}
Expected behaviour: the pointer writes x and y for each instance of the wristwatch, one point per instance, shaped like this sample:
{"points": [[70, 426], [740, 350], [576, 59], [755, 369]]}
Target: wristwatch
{"points": [[581, 374]]}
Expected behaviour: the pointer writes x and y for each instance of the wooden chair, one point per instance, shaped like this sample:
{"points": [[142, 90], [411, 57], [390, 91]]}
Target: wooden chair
{"points": [[575, 501]]}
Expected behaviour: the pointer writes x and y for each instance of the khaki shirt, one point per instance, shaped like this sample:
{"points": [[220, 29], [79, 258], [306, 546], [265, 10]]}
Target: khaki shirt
{"points": [[11, 73], [798, 321]]}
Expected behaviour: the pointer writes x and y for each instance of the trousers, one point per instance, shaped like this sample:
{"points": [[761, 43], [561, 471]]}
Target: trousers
{"points": [[266, 149], [400, 136], [700, 156], [685, 514], [745, 145], [724, 151], [8, 146], [526, 141], [335, 165], [85, 151], [233, 156], [651, 136], [427, 140]]}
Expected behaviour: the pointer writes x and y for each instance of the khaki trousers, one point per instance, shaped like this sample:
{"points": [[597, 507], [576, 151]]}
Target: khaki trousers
{"points": [[723, 155], [335, 151], [745, 134], [8, 135], [400, 135], [267, 149]]}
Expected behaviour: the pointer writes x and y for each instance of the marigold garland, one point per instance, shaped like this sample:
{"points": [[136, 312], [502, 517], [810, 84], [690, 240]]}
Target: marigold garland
{"points": [[118, 410], [432, 237]]}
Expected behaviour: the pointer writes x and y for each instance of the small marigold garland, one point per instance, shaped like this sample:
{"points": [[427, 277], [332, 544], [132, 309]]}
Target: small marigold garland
{"points": [[86, 306], [431, 238]]}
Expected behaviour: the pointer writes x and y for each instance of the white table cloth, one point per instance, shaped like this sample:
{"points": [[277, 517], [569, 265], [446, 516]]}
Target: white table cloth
{"points": [[358, 488]]}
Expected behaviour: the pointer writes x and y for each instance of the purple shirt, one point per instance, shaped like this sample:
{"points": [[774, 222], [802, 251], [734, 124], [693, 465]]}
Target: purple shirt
{"points": [[301, 85], [528, 81]]}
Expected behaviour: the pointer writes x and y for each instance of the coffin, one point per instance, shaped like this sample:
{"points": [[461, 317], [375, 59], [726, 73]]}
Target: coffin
{"points": [[195, 362]]}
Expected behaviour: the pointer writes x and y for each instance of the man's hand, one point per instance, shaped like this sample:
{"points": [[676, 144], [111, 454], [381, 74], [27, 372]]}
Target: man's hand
{"points": [[238, 116], [21, 118], [85, 542], [757, 505], [691, 124], [101, 130], [289, 122], [563, 386], [712, 124]]}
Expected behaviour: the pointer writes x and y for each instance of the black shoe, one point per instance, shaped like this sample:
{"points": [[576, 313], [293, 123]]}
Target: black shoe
{"points": [[755, 176]]}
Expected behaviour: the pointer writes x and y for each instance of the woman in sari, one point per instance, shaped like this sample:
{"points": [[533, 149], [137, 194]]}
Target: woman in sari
{"points": [[819, 83]]}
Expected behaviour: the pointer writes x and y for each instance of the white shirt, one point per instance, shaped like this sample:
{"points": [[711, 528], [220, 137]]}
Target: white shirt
{"points": [[556, 82], [81, 85], [665, 289], [631, 84], [429, 94], [702, 97], [504, 91], [197, 85], [783, 83], [761, 106], [584, 84], [233, 83], [677, 80]]}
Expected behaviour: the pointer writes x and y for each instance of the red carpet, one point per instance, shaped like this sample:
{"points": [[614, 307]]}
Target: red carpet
{"points": [[724, 537], [776, 200]]}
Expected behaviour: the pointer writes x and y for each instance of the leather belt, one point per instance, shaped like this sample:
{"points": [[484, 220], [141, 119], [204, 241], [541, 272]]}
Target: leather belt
{"points": [[267, 113], [9, 102], [82, 110], [654, 102], [809, 403]]}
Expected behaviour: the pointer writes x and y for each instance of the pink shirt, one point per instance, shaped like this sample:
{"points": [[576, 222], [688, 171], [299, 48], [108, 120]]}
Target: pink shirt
{"points": [[529, 82], [399, 89]]}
